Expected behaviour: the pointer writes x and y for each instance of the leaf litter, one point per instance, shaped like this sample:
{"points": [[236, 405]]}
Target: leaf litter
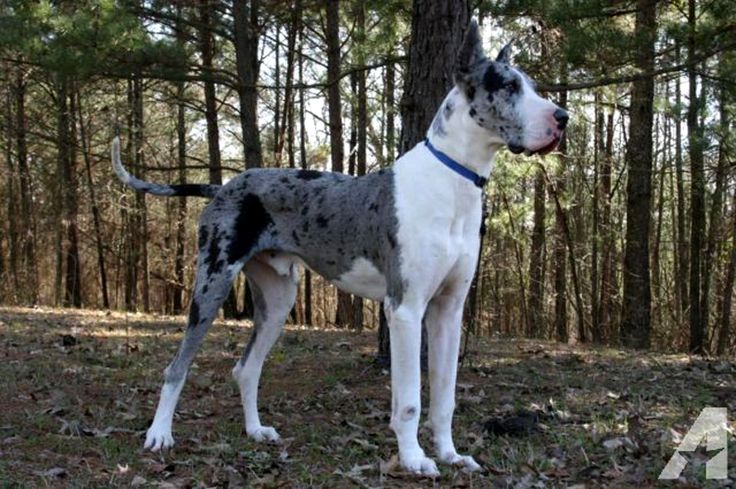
{"points": [[534, 414]]}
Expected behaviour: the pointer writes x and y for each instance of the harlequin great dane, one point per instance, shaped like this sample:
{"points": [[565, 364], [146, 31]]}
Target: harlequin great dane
{"points": [[405, 235]]}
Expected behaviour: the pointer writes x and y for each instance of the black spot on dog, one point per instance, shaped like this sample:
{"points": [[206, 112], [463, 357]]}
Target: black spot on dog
{"points": [[473, 112], [309, 174], [391, 240], [194, 314], [295, 237], [249, 346], [331, 262], [203, 234], [205, 289], [322, 221], [305, 227], [471, 93], [251, 221], [211, 258], [449, 107], [284, 180], [305, 209], [492, 80], [373, 207]]}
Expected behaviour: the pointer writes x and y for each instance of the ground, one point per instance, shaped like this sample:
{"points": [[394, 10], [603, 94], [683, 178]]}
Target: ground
{"points": [[78, 389]]}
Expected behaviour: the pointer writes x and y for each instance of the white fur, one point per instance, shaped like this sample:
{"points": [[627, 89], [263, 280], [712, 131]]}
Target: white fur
{"points": [[444, 209], [363, 279]]}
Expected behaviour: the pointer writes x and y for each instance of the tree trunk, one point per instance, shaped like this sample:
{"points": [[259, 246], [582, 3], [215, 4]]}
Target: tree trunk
{"points": [[181, 158], [682, 244], [28, 237], [245, 31], [307, 297], [636, 320], [608, 288], [697, 194], [96, 220], [141, 210], [12, 207], [725, 316], [362, 126], [711, 242], [437, 30], [72, 275], [535, 325]]}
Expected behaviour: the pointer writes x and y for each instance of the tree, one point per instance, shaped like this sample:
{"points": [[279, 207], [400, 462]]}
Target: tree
{"points": [[636, 320]]}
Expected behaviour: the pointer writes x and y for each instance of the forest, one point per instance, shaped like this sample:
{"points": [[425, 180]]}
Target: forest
{"points": [[622, 240], [623, 236]]}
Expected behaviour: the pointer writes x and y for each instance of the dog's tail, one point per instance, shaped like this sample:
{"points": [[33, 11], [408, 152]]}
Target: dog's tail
{"points": [[184, 190]]}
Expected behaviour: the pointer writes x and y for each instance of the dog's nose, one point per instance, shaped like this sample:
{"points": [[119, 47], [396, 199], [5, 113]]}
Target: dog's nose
{"points": [[561, 117]]}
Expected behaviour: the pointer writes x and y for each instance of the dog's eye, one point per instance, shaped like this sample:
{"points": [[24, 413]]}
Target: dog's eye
{"points": [[512, 85]]}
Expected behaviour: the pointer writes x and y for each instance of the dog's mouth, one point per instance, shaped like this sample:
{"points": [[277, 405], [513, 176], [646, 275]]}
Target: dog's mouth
{"points": [[544, 150]]}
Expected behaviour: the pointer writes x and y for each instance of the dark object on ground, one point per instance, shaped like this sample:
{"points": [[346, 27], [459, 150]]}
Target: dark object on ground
{"points": [[68, 340], [518, 424]]}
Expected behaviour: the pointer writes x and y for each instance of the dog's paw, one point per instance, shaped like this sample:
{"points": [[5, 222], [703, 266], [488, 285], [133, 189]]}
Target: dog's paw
{"points": [[466, 462], [264, 433], [158, 439], [419, 464]]}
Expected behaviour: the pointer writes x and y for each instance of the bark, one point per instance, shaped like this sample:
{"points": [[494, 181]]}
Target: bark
{"points": [[636, 320], [245, 33], [66, 162], [682, 244], [12, 207], [535, 325], [714, 216], [96, 219], [210, 96], [362, 126], [181, 203], [728, 283], [390, 91], [697, 195], [141, 211], [28, 237], [608, 287], [437, 29], [307, 297], [595, 241]]}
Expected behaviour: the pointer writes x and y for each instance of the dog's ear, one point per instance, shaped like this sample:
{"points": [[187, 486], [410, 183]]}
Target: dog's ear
{"points": [[470, 54], [504, 55]]}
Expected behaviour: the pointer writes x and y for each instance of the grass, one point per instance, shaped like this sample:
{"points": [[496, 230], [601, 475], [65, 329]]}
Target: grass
{"points": [[79, 389]]}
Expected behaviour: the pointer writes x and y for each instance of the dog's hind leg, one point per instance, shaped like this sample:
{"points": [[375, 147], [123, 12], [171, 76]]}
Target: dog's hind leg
{"points": [[213, 282], [274, 293]]}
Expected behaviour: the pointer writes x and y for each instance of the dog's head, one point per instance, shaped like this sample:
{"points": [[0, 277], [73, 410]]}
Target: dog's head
{"points": [[503, 100]]}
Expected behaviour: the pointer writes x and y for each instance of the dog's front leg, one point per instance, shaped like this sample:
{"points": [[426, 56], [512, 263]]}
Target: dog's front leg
{"points": [[444, 324], [405, 325]]}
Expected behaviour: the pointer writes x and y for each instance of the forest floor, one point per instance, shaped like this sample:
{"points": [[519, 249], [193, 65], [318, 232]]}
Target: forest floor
{"points": [[79, 388]]}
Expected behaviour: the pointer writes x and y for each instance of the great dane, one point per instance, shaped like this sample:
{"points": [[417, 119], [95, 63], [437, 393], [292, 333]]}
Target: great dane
{"points": [[405, 235]]}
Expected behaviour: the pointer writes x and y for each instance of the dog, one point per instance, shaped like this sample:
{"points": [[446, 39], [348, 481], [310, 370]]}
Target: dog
{"points": [[406, 236]]}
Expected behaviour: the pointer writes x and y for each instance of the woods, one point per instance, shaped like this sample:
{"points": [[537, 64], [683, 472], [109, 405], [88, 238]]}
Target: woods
{"points": [[625, 236]]}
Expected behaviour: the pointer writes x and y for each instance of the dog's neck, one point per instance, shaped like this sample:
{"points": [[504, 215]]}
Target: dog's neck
{"points": [[457, 135]]}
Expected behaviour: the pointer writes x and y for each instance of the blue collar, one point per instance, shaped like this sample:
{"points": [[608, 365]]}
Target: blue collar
{"points": [[453, 165]]}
